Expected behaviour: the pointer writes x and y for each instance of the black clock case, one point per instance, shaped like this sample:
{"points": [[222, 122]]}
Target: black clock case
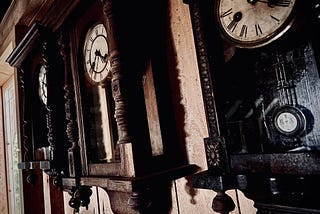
{"points": [[242, 93]]}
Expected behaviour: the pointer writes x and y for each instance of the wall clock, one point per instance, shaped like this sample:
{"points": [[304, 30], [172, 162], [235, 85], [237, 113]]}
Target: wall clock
{"points": [[96, 53], [254, 23], [127, 135], [99, 122], [41, 113], [261, 59]]}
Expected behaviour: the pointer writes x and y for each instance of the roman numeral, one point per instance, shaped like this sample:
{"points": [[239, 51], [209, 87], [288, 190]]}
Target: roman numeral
{"points": [[232, 26], [243, 32], [258, 29], [275, 18], [94, 76], [91, 72], [226, 13], [101, 27]]}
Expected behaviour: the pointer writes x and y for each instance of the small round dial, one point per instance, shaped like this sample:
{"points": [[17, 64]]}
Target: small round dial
{"points": [[287, 122], [43, 89], [254, 23], [96, 54], [290, 121]]}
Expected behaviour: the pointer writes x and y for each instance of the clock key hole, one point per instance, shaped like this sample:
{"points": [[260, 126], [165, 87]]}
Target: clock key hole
{"points": [[237, 16]]}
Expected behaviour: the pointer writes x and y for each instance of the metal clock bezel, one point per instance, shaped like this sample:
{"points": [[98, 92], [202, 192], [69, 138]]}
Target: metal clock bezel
{"points": [[298, 114], [89, 40], [276, 34]]}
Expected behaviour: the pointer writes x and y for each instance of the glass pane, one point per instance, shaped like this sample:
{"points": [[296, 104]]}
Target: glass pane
{"points": [[12, 149], [271, 101], [100, 124]]}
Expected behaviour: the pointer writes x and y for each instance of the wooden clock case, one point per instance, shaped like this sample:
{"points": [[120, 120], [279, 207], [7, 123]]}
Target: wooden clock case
{"points": [[147, 150], [41, 130]]}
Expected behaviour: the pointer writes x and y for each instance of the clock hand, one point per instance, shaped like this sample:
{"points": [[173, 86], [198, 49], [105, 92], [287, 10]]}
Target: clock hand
{"points": [[272, 3], [93, 64], [281, 3], [104, 58], [97, 52], [236, 18], [96, 58]]}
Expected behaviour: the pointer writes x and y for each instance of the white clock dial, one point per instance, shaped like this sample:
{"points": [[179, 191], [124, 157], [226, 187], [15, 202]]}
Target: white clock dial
{"points": [[254, 23], [96, 54], [43, 90], [287, 122], [290, 120]]}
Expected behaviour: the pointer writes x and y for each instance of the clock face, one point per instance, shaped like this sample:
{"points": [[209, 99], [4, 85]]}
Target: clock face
{"points": [[289, 121], [254, 23], [43, 91], [96, 54]]}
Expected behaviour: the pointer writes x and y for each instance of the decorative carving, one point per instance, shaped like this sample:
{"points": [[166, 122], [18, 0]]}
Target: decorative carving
{"points": [[222, 203], [49, 115], [70, 110], [204, 69], [215, 145], [118, 93], [24, 123], [80, 197], [213, 149], [139, 201]]}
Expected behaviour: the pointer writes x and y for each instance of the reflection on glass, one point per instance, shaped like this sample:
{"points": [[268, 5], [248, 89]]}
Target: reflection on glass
{"points": [[101, 126], [272, 104], [43, 85]]}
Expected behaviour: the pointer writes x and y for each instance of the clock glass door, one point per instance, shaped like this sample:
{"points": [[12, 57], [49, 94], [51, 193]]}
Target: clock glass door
{"points": [[270, 105], [99, 123], [269, 94]]}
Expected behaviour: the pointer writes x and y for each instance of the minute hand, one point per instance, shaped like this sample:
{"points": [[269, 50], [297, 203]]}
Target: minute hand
{"points": [[273, 3]]}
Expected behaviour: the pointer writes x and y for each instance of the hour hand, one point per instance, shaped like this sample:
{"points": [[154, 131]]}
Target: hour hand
{"points": [[280, 3], [104, 58]]}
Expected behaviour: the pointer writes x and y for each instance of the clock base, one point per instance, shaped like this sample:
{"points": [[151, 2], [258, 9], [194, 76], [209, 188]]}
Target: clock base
{"points": [[271, 193], [130, 195], [264, 208]]}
